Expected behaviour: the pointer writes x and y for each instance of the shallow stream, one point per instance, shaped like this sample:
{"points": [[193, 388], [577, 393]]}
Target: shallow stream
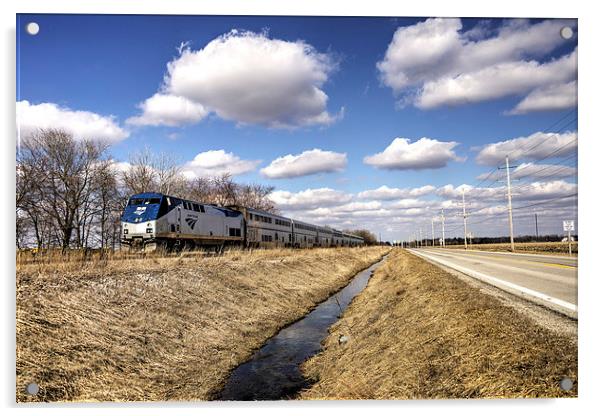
{"points": [[273, 372]]}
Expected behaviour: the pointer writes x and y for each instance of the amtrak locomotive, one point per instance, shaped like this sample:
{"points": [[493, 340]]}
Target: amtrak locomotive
{"points": [[152, 220]]}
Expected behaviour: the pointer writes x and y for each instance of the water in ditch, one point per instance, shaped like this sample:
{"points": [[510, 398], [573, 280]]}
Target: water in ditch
{"points": [[273, 372]]}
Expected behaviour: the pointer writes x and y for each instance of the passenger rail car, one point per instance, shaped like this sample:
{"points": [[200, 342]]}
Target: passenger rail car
{"points": [[152, 220], [266, 229]]}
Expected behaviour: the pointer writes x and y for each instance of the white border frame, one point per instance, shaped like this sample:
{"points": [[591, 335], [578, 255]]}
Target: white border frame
{"points": [[589, 154]]}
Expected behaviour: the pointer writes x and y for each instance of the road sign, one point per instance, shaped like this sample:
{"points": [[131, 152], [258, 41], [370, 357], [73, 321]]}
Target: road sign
{"points": [[568, 225]]}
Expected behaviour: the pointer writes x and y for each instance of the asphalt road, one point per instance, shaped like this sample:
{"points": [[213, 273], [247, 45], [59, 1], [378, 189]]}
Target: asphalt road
{"points": [[548, 280]]}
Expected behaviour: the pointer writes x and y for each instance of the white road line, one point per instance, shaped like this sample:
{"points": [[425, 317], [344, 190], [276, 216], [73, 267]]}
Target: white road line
{"points": [[502, 253], [499, 282]]}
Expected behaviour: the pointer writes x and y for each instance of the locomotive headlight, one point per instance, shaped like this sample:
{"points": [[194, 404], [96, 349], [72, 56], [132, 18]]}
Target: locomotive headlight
{"points": [[125, 230], [149, 230]]}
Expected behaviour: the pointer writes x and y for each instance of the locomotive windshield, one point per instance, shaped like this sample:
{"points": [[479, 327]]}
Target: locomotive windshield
{"points": [[144, 201]]}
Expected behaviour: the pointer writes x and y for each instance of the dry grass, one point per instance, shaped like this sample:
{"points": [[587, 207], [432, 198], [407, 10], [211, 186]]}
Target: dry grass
{"points": [[163, 328], [417, 332], [556, 248]]}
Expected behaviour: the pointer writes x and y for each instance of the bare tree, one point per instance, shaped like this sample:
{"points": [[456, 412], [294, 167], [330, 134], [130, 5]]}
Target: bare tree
{"points": [[108, 201], [63, 169], [369, 237], [224, 190], [201, 189], [140, 176], [150, 172], [256, 196]]}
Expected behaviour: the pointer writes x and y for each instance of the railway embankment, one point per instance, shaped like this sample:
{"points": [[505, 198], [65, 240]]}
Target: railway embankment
{"points": [[418, 332], [163, 328]]}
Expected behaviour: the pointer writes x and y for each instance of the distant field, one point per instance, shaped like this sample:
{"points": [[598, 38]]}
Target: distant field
{"points": [[543, 248], [163, 328]]}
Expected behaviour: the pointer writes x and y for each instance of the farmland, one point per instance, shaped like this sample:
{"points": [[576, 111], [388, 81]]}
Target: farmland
{"points": [[555, 248], [163, 328], [418, 332]]}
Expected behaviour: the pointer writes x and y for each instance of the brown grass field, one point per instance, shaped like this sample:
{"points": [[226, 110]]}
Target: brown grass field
{"points": [[417, 332], [555, 248], [163, 328]]}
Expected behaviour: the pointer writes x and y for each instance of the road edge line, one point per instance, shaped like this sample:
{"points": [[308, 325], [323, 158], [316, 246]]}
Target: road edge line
{"points": [[562, 306]]}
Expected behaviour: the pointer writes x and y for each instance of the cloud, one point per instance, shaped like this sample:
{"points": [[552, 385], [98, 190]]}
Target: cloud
{"points": [[121, 167], [306, 163], [397, 219], [411, 203], [309, 198], [544, 190], [425, 153], [168, 110], [527, 192], [434, 63], [504, 79], [552, 97], [386, 193], [81, 124], [536, 146], [217, 162], [535, 171], [249, 78]]}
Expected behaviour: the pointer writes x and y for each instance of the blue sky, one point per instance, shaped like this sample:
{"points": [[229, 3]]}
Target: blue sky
{"points": [[108, 65]]}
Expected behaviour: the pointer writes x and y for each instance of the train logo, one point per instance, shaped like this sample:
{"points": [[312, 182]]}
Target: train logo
{"points": [[191, 222]]}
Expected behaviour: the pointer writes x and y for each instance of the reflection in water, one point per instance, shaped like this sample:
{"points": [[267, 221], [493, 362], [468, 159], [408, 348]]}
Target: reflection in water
{"points": [[273, 372]]}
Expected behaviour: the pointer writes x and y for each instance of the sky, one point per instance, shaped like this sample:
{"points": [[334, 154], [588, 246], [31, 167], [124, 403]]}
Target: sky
{"points": [[375, 123]]}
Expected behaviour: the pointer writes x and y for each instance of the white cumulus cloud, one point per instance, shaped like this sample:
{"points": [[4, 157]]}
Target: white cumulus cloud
{"points": [[217, 162], [309, 198], [504, 79], [552, 97], [305, 163], [425, 153], [534, 146], [434, 63], [526, 192], [386, 193], [80, 124], [168, 110], [250, 78]]}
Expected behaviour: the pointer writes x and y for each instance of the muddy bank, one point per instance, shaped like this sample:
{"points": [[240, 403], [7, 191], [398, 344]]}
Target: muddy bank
{"points": [[164, 329], [418, 332]]}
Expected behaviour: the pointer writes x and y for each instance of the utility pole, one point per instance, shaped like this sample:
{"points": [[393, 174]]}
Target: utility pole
{"points": [[509, 204], [442, 228], [433, 231], [421, 237], [464, 215], [536, 229]]}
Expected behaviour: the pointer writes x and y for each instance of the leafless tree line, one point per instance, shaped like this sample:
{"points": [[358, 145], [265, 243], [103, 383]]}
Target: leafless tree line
{"points": [[70, 193], [369, 237]]}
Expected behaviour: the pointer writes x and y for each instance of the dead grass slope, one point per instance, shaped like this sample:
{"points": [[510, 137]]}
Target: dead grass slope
{"points": [[417, 332], [163, 329]]}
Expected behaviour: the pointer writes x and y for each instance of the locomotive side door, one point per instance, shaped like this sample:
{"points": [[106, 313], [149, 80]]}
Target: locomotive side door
{"points": [[178, 219]]}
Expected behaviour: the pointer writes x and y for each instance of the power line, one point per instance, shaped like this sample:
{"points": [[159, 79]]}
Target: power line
{"points": [[536, 145], [547, 201]]}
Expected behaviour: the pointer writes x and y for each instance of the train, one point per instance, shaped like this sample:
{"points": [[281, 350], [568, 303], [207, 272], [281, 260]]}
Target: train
{"points": [[152, 221]]}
